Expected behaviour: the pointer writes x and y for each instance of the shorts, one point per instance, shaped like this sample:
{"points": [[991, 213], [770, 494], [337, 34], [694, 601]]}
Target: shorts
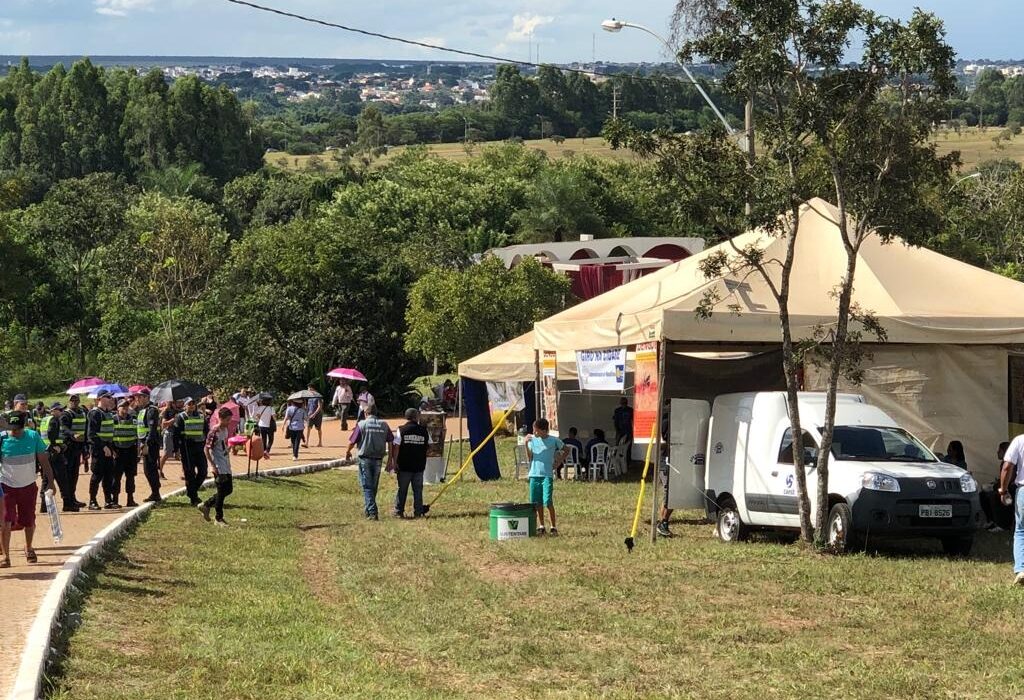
{"points": [[169, 443], [20, 506], [663, 478], [316, 422], [541, 488]]}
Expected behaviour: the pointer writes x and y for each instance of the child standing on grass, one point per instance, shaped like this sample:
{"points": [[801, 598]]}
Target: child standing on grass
{"points": [[217, 454], [546, 453]]}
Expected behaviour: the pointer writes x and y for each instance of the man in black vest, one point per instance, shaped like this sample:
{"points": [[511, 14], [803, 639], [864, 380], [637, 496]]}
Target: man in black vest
{"points": [[410, 457]]}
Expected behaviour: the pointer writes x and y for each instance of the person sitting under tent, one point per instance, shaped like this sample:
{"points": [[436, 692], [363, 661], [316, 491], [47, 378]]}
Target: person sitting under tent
{"points": [[572, 441]]}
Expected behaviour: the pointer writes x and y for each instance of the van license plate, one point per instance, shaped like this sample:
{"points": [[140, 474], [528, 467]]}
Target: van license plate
{"points": [[935, 511]]}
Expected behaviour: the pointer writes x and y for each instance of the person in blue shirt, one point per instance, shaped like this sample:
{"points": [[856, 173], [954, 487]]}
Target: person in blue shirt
{"points": [[546, 453]]}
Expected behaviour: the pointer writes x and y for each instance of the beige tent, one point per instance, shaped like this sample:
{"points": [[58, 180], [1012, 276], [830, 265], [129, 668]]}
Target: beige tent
{"points": [[952, 328], [514, 361]]}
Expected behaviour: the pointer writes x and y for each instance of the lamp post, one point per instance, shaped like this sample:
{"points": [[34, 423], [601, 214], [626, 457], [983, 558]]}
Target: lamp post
{"points": [[745, 141]]}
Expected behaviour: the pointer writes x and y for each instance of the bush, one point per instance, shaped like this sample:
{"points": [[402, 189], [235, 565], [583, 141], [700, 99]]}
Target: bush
{"points": [[303, 148]]}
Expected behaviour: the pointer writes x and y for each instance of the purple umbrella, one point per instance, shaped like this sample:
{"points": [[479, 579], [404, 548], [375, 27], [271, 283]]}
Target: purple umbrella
{"points": [[85, 385]]}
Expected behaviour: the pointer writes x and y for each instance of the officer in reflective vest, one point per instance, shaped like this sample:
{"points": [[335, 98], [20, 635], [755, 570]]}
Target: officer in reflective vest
{"points": [[147, 425], [56, 438], [191, 427], [100, 432], [126, 460], [73, 424]]}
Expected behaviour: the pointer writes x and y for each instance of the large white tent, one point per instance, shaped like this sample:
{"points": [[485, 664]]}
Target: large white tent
{"points": [[953, 329]]}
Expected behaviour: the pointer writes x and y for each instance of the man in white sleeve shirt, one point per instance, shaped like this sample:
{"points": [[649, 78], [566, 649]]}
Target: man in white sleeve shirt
{"points": [[1013, 468]]}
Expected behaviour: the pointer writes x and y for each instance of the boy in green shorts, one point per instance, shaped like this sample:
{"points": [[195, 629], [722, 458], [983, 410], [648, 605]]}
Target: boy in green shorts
{"points": [[546, 453]]}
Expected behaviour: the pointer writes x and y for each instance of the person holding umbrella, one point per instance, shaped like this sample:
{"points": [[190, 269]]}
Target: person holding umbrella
{"points": [[191, 428], [315, 416], [295, 424]]}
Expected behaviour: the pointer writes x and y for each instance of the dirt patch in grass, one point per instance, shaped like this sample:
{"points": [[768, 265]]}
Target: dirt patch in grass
{"points": [[319, 569]]}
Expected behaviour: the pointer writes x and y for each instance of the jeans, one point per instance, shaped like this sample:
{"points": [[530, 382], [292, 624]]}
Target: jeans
{"points": [[296, 437], [224, 489], [267, 435], [369, 478], [1018, 534], [405, 479]]}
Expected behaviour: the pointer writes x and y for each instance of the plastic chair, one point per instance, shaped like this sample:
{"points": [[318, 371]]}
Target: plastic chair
{"points": [[572, 460], [617, 461], [522, 459], [598, 461]]}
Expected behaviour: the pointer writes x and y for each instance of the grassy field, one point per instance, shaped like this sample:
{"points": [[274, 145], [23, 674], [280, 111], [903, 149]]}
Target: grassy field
{"points": [[594, 146], [309, 600]]}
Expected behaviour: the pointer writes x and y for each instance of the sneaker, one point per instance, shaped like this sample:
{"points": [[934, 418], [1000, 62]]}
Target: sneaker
{"points": [[80, 504], [554, 532], [663, 529], [70, 508], [205, 510], [152, 499], [992, 527], [540, 531], [111, 506], [1018, 580], [372, 516], [93, 505], [396, 514]]}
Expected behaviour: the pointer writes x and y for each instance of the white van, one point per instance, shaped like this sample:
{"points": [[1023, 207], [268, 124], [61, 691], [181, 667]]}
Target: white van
{"points": [[882, 480]]}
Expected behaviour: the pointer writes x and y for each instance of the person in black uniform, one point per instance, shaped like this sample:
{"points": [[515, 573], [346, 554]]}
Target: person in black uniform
{"points": [[410, 458], [100, 430], [126, 455], [190, 428], [56, 438], [73, 424], [147, 421]]}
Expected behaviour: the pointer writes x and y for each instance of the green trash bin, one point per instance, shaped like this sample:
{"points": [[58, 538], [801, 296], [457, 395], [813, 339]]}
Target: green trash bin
{"points": [[513, 521]]}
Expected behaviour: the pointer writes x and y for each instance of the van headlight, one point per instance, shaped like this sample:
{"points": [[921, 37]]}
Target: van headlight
{"points": [[881, 482], [968, 484]]}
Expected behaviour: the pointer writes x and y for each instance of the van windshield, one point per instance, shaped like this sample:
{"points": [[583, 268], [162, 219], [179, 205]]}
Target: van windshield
{"points": [[878, 444]]}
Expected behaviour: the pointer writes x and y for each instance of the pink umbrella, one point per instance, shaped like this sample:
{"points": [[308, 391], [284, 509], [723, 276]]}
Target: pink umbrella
{"points": [[347, 373], [235, 416], [138, 388], [85, 385]]}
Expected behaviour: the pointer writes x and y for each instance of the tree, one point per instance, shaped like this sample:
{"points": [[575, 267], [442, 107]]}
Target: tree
{"points": [[370, 130], [583, 133], [455, 314], [515, 98], [559, 207], [854, 129]]}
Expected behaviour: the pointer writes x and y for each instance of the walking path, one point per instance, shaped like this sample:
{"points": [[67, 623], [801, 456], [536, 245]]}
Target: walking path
{"points": [[23, 586]]}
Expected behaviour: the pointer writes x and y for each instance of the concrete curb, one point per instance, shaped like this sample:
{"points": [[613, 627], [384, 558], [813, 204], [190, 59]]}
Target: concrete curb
{"points": [[37, 645]]}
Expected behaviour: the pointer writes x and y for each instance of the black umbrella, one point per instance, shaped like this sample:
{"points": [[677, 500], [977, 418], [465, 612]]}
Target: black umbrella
{"points": [[177, 389]]}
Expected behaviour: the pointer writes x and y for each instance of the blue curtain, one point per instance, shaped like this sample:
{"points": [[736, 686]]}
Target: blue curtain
{"points": [[530, 414], [478, 420]]}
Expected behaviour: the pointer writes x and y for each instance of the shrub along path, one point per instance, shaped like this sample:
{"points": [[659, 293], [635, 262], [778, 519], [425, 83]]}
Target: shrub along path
{"points": [[307, 599]]}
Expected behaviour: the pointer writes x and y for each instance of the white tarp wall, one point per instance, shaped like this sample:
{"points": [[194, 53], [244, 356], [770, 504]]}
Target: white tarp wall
{"points": [[939, 393]]}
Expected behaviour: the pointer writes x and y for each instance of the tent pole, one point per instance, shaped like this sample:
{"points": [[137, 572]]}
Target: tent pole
{"points": [[538, 388], [461, 389], [656, 492]]}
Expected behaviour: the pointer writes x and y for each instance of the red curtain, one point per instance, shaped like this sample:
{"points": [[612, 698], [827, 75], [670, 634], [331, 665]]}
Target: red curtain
{"points": [[592, 280]]}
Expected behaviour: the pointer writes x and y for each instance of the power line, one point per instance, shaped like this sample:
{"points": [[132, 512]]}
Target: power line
{"points": [[426, 45]]}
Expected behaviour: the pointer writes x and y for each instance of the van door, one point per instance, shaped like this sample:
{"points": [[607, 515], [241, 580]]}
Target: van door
{"points": [[688, 438], [782, 490]]}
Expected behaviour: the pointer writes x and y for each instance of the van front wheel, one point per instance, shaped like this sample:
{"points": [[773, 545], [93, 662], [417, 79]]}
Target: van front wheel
{"points": [[840, 528], [729, 526]]}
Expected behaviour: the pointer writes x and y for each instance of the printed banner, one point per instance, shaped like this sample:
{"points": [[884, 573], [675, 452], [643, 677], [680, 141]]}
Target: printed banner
{"points": [[504, 395], [601, 370], [433, 421], [645, 391], [549, 373]]}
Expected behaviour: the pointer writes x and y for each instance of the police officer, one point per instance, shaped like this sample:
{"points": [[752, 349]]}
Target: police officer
{"points": [[126, 455], [100, 432], [147, 424], [191, 427], [73, 423], [57, 438]]}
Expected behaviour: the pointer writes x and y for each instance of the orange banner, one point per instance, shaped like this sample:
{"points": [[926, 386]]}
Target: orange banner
{"points": [[645, 391]]}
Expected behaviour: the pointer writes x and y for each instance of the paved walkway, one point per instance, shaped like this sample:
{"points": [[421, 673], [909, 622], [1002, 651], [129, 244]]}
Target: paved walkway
{"points": [[23, 586]]}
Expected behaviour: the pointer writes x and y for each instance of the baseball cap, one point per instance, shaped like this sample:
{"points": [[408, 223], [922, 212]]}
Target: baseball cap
{"points": [[16, 419], [20, 397], [104, 395], [56, 404]]}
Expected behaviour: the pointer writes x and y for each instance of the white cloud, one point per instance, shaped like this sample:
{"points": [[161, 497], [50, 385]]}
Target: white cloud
{"points": [[120, 8], [524, 25]]}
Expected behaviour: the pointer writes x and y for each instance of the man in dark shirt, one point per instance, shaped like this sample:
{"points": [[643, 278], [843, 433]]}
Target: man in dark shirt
{"points": [[100, 428], [148, 431], [410, 458], [622, 419], [73, 421]]}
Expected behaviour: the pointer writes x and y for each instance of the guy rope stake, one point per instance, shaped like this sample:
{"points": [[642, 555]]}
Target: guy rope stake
{"points": [[643, 483], [469, 459]]}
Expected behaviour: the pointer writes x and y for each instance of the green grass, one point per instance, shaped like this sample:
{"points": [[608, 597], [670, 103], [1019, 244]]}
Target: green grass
{"points": [[976, 145], [308, 600]]}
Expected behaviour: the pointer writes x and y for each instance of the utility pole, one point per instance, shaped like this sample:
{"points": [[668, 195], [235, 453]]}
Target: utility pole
{"points": [[615, 102]]}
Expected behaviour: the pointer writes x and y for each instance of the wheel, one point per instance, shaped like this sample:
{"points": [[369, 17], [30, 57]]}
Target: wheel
{"points": [[729, 527], [840, 528], [958, 546]]}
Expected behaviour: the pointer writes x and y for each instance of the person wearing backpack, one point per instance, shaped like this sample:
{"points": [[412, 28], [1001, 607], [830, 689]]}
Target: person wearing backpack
{"points": [[374, 440]]}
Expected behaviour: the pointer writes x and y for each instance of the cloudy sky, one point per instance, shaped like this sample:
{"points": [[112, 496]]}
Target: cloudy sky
{"points": [[563, 30]]}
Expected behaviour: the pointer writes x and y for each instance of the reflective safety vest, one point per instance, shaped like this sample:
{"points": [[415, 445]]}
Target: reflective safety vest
{"points": [[106, 427], [78, 423], [194, 427], [44, 431], [124, 433], [140, 424]]}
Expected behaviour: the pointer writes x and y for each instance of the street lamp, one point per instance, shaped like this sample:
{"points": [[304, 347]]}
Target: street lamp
{"points": [[616, 25]]}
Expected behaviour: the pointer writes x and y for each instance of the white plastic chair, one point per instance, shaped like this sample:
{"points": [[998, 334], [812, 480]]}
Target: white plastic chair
{"points": [[617, 461], [598, 461], [572, 460]]}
